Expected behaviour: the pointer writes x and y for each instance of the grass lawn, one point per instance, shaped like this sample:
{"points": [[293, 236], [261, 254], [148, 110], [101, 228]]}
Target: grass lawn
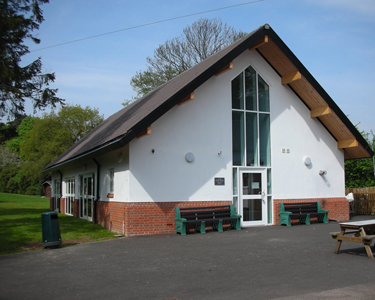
{"points": [[21, 225]]}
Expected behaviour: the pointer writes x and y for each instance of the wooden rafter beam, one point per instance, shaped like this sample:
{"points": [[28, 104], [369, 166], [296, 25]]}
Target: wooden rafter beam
{"points": [[347, 143], [320, 111], [288, 78], [259, 43], [187, 98], [226, 68], [147, 131]]}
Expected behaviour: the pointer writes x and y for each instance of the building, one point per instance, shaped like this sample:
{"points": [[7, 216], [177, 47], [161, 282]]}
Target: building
{"points": [[249, 126]]}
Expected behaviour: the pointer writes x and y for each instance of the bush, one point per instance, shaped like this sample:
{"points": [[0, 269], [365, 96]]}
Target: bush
{"points": [[7, 182]]}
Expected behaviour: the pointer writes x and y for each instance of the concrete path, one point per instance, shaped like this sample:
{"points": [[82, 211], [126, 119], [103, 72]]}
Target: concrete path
{"points": [[270, 262]]}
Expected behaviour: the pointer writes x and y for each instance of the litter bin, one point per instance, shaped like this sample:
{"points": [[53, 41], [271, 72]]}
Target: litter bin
{"points": [[50, 230]]}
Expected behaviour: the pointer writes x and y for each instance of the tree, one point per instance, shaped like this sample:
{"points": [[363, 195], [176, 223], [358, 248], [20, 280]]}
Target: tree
{"points": [[22, 131], [9, 130], [199, 41], [18, 18], [8, 157], [49, 137], [359, 173], [53, 134]]}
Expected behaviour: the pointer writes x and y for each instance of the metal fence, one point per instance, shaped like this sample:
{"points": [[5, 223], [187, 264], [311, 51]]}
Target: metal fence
{"points": [[364, 200]]}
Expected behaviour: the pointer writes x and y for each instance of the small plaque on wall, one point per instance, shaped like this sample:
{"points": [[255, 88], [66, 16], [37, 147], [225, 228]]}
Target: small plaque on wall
{"points": [[220, 181]]}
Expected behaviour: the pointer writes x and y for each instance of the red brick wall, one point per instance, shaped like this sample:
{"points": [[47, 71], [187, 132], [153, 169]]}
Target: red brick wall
{"points": [[151, 218], [62, 205], [76, 208], [143, 218], [338, 207], [110, 215]]}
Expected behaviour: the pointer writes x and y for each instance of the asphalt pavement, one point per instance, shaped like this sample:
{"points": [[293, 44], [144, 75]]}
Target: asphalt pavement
{"points": [[271, 262]]}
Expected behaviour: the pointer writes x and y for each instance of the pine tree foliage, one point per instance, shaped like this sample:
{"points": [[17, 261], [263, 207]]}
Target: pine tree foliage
{"points": [[18, 19]]}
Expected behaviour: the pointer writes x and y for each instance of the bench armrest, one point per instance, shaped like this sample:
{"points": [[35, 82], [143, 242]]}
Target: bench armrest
{"points": [[180, 220], [235, 216], [285, 213], [323, 211]]}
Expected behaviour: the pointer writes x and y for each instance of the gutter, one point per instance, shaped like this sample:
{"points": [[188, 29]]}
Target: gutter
{"points": [[114, 145]]}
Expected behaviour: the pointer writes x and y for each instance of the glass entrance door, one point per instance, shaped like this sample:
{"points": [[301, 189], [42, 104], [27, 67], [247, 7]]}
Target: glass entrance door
{"points": [[87, 196], [253, 204]]}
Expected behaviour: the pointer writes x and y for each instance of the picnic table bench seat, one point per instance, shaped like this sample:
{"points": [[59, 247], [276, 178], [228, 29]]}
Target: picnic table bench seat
{"points": [[303, 212], [199, 217]]}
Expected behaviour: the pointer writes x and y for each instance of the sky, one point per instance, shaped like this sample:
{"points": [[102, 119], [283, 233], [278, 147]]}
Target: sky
{"points": [[334, 40]]}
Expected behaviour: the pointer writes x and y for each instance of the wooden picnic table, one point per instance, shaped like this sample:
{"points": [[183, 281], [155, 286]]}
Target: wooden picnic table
{"points": [[359, 232]]}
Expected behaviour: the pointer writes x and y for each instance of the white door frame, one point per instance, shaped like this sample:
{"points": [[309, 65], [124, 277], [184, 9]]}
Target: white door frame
{"points": [[87, 198], [246, 195]]}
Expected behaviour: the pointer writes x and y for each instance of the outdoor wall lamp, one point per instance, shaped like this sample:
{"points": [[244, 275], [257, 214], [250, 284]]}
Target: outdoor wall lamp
{"points": [[189, 157], [307, 161]]}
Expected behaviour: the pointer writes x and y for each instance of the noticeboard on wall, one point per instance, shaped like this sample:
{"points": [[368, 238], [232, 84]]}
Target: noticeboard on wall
{"points": [[219, 181]]}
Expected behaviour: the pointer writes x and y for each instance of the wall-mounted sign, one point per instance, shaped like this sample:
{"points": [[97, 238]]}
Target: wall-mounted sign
{"points": [[220, 181]]}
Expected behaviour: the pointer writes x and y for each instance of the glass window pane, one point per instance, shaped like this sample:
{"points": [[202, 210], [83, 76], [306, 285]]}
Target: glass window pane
{"points": [[264, 95], [237, 92], [264, 140], [235, 190], [252, 183], [269, 207], [235, 204], [269, 186], [89, 201], [238, 138], [250, 89], [251, 139], [252, 210]]}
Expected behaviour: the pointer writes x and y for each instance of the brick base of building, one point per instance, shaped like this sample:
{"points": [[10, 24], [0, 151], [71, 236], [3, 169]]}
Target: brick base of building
{"points": [[146, 218], [134, 219], [338, 207]]}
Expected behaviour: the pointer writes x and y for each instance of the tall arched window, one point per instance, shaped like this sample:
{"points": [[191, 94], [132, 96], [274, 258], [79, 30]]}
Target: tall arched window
{"points": [[250, 120]]}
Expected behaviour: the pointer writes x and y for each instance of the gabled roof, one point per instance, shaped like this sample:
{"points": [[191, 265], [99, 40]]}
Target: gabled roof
{"points": [[122, 127]]}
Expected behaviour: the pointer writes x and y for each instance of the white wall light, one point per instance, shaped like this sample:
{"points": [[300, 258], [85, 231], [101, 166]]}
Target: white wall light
{"points": [[307, 161], [189, 157]]}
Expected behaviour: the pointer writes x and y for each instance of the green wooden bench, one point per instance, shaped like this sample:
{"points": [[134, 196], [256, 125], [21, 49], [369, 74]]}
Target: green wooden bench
{"points": [[303, 212], [200, 217]]}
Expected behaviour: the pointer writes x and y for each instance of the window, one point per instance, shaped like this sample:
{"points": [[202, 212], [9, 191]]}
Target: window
{"points": [[111, 181], [251, 142], [87, 195], [250, 120], [69, 195]]}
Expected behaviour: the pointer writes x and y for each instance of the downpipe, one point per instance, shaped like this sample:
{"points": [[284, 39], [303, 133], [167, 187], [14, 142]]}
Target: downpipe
{"points": [[94, 218]]}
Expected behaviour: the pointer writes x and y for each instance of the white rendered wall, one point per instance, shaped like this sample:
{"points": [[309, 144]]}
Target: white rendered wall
{"points": [[293, 129], [203, 127], [117, 160]]}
